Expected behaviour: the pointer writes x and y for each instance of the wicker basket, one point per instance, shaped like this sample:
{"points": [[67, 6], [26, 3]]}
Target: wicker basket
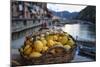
{"points": [[48, 58], [62, 56]]}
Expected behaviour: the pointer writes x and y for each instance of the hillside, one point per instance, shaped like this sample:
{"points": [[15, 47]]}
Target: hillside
{"points": [[65, 14], [88, 14]]}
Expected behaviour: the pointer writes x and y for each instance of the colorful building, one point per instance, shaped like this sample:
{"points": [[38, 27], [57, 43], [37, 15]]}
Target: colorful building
{"points": [[27, 17]]}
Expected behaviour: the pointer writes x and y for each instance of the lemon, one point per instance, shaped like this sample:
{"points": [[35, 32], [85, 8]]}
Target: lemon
{"points": [[58, 43], [37, 37], [35, 54], [59, 38], [49, 37], [43, 41], [38, 45], [41, 38], [28, 51], [45, 48], [50, 43], [64, 40], [70, 42], [42, 35], [67, 47], [47, 33], [27, 42], [55, 37], [26, 47], [21, 50], [31, 40]]}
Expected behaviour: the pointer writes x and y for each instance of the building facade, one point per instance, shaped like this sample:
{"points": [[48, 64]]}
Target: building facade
{"points": [[27, 17]]}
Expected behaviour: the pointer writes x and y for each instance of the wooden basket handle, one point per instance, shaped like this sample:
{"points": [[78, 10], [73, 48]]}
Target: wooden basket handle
{"points": [[56, 46]]}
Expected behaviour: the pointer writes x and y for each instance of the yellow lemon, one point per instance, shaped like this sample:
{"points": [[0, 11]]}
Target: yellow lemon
{"points": [[21, 50], [35, 55], [58, 43], [64, 40], [55, 37], [44, 42], [50, 43], [42, 38], [37, 37], [38, 45], [28, 51], [26, 47], [45, 48], [59, 38], [27, 42], [47, 33], [70, 42], [42, 35], [67, 47], [49, 37]]}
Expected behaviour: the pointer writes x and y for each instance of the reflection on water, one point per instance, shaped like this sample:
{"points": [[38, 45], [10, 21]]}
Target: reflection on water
{"points": [[81, 31]]}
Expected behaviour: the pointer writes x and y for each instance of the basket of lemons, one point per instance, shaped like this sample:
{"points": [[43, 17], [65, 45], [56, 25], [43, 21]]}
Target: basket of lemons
{"points": [[48, 47]]}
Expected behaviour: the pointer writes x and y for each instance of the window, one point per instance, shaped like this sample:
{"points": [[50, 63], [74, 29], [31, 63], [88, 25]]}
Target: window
{"points": [[25, 23]]}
